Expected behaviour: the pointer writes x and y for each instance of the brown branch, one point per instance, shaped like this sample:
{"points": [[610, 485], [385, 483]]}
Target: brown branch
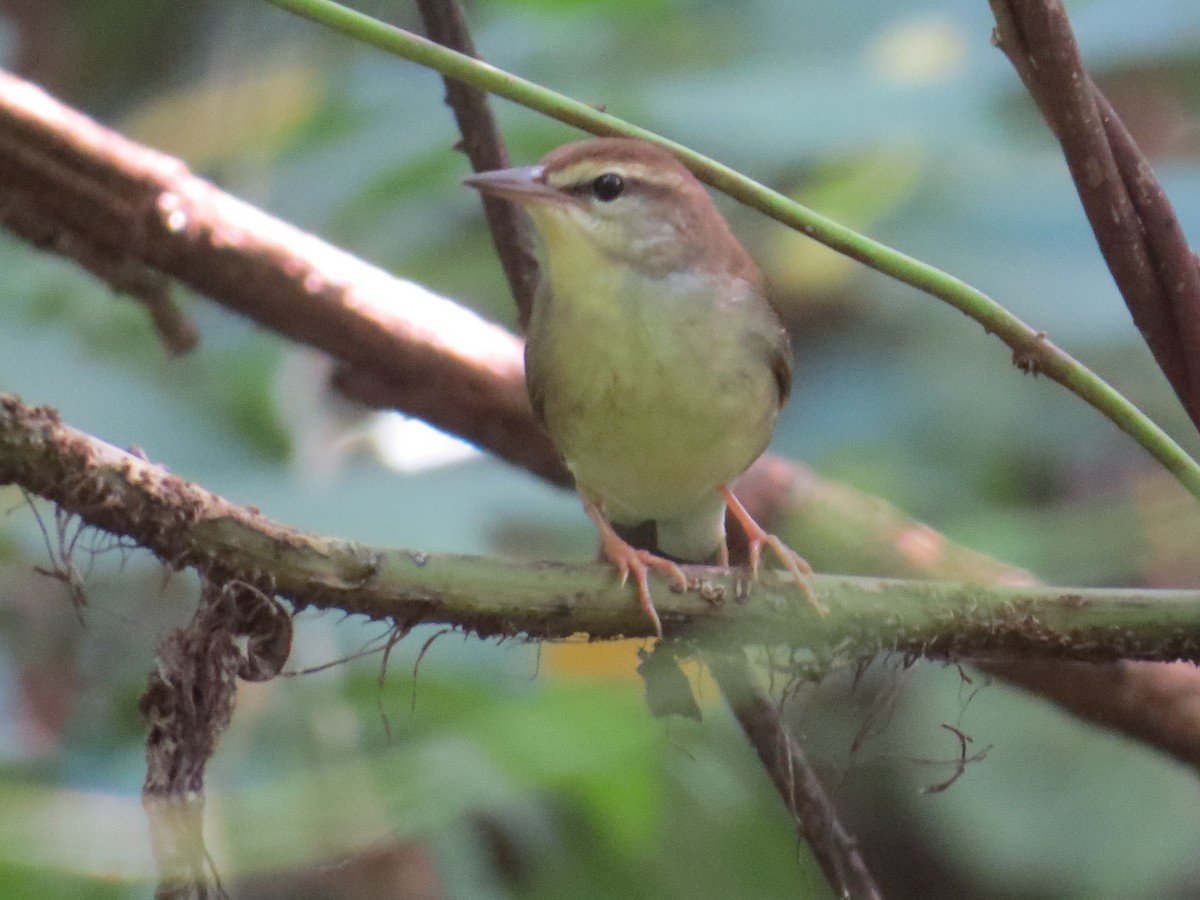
{"points": [[1134, 222], [1159, 277], [69, 183], [795, 780], [465, 378], [1155, 702], [509, 227], [100, 253]]}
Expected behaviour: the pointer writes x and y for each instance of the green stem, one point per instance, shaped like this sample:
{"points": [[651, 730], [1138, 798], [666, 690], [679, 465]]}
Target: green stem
{"points": [[1031, 350]]}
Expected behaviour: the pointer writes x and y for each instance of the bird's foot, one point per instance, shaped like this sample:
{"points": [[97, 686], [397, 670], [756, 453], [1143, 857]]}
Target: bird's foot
{"points": [[629, 560], [757, 537]]}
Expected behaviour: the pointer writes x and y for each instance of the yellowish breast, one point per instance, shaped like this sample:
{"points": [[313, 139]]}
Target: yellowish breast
{"points": [[655, 391]]}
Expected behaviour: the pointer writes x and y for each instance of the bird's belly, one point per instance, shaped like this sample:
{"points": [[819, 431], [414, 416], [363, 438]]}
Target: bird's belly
{"points": [[656, 465], [653, 421]]}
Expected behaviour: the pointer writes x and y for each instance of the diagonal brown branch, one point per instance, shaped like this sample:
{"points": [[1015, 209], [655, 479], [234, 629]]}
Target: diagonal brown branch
{"points": [[835, 849], [1159, 277], [67, 181]]}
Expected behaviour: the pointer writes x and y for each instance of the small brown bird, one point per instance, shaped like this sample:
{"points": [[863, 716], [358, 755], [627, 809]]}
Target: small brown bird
{"points": [[653, 356]]}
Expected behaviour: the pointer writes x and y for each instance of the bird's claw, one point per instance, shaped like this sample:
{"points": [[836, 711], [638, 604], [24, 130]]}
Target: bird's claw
{"points": [[630, 560], [796, 564], [758, 537]]}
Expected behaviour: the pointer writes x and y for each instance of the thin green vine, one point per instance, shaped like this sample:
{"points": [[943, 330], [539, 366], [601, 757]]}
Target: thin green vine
{"points": [[1031, 349]]}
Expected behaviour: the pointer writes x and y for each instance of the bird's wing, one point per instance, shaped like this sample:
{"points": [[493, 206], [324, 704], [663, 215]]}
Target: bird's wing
{"points": [[768, 325], [768, 328], [535, 362], [779, 356]]}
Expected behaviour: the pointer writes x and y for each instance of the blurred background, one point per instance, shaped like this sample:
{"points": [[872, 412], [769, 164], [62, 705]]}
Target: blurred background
{"points": [[518, 771]]}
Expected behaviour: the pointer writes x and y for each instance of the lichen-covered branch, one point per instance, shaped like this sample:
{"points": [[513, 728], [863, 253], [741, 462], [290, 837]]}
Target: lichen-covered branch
{"points": [[1153, 702], [186, 525]]}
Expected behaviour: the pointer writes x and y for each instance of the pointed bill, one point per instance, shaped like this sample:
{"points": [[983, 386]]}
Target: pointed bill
{"points": [[524, 184]]}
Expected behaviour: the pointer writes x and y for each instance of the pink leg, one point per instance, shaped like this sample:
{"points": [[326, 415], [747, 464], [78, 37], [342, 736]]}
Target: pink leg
{"points": [[757, 538], [629, 559]]}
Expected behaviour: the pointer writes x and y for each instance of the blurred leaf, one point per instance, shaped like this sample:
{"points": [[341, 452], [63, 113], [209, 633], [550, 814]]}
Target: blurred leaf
{"points": [[858, 192], [256, 108], [18, 881], [668, 692]]}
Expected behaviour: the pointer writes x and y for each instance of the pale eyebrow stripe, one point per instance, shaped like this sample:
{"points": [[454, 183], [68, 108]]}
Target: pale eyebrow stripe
{"points": [[589, 169]]}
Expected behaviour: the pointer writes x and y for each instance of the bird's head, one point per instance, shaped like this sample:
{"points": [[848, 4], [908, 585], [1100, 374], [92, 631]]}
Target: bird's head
{"points": [[625, 200]]}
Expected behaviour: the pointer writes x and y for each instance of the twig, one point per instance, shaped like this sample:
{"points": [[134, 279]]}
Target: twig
{"points": [[509, 227], [795, 780]]}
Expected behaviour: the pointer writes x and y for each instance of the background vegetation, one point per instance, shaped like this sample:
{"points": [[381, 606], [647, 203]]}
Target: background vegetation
{"points": [[502, 771]]}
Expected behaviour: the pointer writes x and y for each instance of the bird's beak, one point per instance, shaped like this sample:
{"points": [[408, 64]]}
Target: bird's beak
{"points": [[525, 184]]}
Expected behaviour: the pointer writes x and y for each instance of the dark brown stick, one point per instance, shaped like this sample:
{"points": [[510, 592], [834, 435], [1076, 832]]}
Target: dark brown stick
{"points": [[1133, 220], [446, 24], [795, 780], [1159, 278]]}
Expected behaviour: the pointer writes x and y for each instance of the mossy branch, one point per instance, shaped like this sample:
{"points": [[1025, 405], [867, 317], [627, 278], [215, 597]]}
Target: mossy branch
{"points": [[186, 525]]}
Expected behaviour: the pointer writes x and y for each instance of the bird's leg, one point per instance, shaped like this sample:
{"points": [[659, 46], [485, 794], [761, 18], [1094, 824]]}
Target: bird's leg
{"points": [[758, 537], [629, 559]]}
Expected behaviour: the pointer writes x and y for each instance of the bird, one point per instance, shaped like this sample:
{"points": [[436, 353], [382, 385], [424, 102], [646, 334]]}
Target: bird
{"points": [[653, 356]]}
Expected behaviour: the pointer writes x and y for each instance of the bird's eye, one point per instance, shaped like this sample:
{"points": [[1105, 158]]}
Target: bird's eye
{"points": [[608, 186]]}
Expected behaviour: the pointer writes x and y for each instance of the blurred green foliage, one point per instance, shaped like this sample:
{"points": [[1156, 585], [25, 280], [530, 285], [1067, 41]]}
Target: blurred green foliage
{"points": [[898, 118]]}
